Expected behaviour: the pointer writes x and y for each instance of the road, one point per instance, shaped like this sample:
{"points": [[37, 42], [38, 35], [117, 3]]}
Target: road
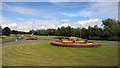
{"points": [[48, 40], [108, 42], [39, 40]]}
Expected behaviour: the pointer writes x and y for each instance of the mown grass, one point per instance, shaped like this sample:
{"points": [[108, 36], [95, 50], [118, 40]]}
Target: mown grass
{"points": [[0, 55], [56, 37], [47, 37], [30, 53], [7, 38]]}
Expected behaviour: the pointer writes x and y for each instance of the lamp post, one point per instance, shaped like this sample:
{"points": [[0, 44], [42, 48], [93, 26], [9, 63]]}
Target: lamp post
{"points": [[32, 28], [102, 30], [80, 31]]}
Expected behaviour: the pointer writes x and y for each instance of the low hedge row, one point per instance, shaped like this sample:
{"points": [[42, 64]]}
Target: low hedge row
{"points": [[30, 38], [114, 38]]}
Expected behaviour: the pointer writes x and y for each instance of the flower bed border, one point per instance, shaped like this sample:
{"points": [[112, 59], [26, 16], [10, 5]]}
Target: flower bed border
{"points": [[75, 44]]}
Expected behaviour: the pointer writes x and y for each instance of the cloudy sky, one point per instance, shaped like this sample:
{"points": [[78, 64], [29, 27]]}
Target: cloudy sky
{"points": [[21, 15]]}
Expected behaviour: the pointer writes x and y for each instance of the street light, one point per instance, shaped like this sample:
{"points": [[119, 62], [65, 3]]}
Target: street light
{"points": [[32, 28], [80, 31]]}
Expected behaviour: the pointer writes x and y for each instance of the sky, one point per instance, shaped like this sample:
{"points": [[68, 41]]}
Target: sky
{"points": [[43, 15]]}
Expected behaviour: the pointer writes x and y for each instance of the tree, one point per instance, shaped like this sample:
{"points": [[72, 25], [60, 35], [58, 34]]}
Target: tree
{"points": [[107, 32], [111, 25], [84, 33], [14, 32], [69, 31], [61, 31], [51, 31], [7, 31], [77, 32], [65, 31], [119, 28]]}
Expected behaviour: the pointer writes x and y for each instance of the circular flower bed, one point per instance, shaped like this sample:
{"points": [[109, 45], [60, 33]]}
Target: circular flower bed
{"points": [[73, 44]]}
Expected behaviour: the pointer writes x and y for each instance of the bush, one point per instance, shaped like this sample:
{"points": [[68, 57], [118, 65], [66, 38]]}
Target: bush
{"points": [[31, 38], [6, 31], [90, 41], [7, 39], [114, 38], [94, 38], [61, 37]]}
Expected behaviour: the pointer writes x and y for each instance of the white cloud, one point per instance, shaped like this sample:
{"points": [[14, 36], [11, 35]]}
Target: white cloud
{"points": [[19, 9], [66, 24], [60, 1], [52, 26], [83, 0], [54, 1], [13, 25], [9, 25], [90, 22], [83, 23], [104, 6], [0, 19], [104, 0], [0, 5], [69, 14], [97, 10], [26, 25], [83, 13], [22, 19], [38, 24], [65, 20], [104, 9], [23, 28], [45, 24]]}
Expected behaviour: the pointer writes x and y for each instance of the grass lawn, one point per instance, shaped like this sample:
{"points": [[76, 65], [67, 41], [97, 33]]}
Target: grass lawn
{"points": [[47, 37], [31, 53], [7, 38], [56, 37], [0, 55]]}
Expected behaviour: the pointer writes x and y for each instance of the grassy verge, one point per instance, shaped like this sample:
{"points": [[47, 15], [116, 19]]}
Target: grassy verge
{"points": [[43, 54], [56, 37], [47, 37], [7, 38], [0, 55]]}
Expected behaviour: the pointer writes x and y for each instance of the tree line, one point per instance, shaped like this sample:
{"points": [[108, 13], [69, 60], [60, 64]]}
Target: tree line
{"points": [[108, 31]]}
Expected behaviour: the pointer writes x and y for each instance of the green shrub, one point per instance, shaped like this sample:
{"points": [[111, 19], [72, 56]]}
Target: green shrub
{"points": [[114, 38], [7, 38], [31, 38], [76, 39], [61, 37], [94, 38], [90, 41]]}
